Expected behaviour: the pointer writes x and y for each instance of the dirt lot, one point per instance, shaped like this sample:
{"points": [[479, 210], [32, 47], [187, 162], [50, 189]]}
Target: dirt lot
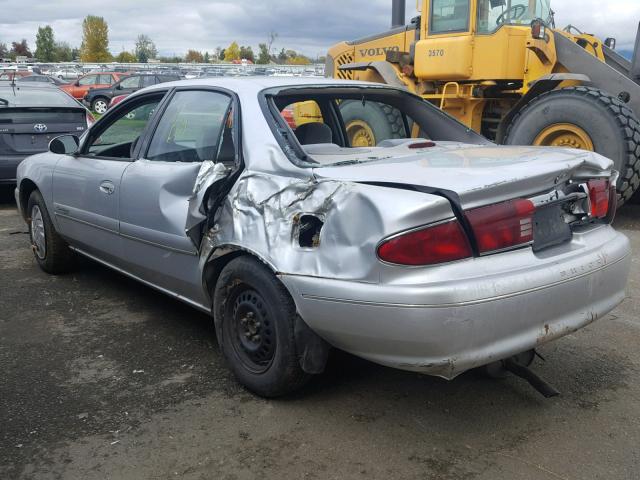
{"points": [[103, 378]]}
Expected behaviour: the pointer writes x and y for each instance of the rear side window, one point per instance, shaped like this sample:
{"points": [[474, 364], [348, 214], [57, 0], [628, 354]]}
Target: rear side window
{"points": [[105, 80], [148, 81], [196, 126], [130, 82], [88, 80], [449, 16]]}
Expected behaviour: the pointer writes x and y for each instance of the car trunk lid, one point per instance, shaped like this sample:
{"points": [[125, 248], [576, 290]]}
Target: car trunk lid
{"points": [[28, 130]]}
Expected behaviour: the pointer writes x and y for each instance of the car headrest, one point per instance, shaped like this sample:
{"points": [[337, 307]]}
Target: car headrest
{"points": [[312, 133]]}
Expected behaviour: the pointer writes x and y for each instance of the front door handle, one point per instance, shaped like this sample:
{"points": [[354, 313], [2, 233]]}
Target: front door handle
{"points": [[107, 187]]}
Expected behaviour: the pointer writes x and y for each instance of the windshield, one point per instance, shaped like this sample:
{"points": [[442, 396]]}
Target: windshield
{"points": [[492, 14], [322, 126]]}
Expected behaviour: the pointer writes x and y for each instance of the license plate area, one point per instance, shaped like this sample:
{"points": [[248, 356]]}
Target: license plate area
{"points": [[550, 228]]}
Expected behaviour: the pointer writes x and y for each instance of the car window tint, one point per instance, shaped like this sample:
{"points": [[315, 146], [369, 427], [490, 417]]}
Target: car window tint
{"points": [[194, 128], [118, 139], [88, 80], [130, 82], [148, 81], [105, 80]]}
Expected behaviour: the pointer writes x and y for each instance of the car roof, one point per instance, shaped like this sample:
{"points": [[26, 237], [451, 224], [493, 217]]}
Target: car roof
{"points": [[251, 85]]}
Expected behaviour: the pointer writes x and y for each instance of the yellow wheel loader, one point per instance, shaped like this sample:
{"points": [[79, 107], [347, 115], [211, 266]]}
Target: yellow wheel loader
{"points": [[502, 68]]}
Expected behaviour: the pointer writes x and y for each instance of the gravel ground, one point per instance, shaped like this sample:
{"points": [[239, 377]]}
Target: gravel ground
{"points": [[103, 378]]}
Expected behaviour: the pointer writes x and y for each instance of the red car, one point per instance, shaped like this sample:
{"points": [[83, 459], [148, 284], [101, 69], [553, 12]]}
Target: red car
{"points": [[80, 87]]}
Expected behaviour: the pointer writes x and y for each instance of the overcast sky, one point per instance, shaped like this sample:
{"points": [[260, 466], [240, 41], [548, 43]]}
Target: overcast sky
{"points": [[309, 26]]}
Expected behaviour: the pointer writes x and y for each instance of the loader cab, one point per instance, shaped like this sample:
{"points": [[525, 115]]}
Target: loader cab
{"points": [[475, 39]]}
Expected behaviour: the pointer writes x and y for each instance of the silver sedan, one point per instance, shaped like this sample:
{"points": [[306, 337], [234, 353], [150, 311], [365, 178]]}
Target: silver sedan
{"points": [[310, 214]]}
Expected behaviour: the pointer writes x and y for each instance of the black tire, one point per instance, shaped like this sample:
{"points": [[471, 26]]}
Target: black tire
{"points": [[57, 257], [614, 129], [100, 105], [246, 292], [385, 122]]}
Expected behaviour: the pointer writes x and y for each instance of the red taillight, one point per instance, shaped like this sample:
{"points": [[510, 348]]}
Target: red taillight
{"points": [[90, 119], [599, 195], [503, 225], [442, 243]]}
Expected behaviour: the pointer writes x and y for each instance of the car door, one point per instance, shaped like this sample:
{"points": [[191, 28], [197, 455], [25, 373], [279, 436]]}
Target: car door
{"points": [[86, 186], [156, 189]]}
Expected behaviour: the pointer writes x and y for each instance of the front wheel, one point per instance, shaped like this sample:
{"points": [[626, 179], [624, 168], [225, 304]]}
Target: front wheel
{"points": [[100, 105], [585, 118], [50, 250], [255, 318]]}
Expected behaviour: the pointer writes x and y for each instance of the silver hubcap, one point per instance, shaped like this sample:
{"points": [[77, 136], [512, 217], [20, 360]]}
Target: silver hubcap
{"points": [[100, 106], [37, 233]]}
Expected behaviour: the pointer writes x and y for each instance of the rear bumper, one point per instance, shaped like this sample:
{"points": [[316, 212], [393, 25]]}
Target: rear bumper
{"points": [[474, 321], [8, 168]]}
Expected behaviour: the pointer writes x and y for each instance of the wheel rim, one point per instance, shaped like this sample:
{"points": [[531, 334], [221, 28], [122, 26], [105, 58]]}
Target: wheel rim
{"points": [[360, 134], [100, 106], [565, 135], [253, 335], [38, 236], [131, 115]]}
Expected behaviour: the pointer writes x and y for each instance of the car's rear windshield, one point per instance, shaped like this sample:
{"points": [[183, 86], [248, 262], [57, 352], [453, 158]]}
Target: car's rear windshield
{"points": [[345, 125], [34, 97]]}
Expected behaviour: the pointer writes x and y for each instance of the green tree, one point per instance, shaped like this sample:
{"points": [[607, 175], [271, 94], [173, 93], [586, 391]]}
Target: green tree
{"points": [[95, 40], [246, 53], [126, 57], [232, 52], [4, 51], [21, 49], [45, 44], [63, 52], [193, 56], [264, 56], [207, 59], [145, 49]]}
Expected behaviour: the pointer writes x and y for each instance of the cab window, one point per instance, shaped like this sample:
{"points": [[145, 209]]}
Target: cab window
{"points": [[449, 16]]}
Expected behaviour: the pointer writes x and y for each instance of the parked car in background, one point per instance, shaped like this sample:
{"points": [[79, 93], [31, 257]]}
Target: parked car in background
{"points": [[66, 73], [116, 100], [97, 99], [435, 251], [30, 116], [14, 75], [42, 79], [80, 87]]}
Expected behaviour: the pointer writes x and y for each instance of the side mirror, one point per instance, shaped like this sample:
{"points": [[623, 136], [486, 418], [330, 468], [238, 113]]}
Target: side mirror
{"points": [[64, 145], [611, 43]]}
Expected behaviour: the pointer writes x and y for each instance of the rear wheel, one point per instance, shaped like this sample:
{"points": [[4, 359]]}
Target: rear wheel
{"points": [[370, 123], [100, 105], [255, 318], [50, 250], [585, 118]]}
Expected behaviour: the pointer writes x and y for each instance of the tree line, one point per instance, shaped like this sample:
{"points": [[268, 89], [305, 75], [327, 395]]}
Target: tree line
{"points": [[95, 48]]}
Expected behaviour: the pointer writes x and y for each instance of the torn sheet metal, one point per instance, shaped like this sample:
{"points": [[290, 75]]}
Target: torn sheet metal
{"points": [[209, 175]]}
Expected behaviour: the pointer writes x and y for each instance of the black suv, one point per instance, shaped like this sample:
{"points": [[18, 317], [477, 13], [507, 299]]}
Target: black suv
{"points": [[98, 98]]}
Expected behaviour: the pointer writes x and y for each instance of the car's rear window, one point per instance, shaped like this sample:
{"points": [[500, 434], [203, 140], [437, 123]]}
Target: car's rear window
{"points": [[34, 97]]}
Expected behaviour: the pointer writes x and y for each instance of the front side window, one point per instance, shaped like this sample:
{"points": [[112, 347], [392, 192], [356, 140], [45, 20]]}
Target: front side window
{"points": [[196, 126], [130, 82], [88, 80], [119, 139], [449, 16], [492, 14]]}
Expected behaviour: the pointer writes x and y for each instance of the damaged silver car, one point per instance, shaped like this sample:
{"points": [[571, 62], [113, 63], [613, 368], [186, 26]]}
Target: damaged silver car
{"points": [[434, 251]]}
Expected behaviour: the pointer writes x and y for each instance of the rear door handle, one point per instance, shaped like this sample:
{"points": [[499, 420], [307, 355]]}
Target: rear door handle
{"points": [[107, 187]]}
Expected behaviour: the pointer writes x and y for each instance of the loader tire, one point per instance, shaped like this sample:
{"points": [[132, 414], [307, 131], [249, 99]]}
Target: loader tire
{"points": [[593, 120], [369, 124]]}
